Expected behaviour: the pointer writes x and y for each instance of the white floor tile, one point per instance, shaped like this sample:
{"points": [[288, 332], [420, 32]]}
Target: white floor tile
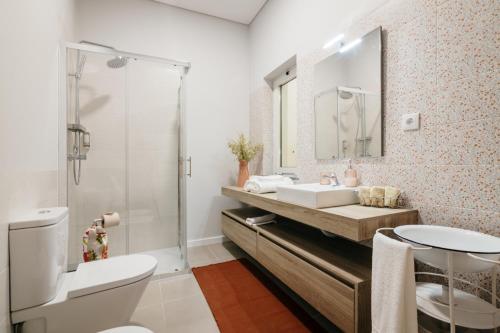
{"points": [[152, 317], [190, 314], [151, 296], [179, 287], [200, 256]]}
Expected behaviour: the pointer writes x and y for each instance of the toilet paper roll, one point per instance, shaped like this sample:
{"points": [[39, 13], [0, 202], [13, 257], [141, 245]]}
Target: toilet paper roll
{"points": [[110, 219]]}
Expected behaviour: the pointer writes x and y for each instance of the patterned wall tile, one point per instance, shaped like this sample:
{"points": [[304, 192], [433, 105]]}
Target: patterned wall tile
{"points": [[471, 142], [467, 42], [471, 98], [440, 59], [427, 45], [261, 129]]}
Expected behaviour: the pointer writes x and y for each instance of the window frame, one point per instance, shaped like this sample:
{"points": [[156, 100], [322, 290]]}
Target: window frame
{"points": [[282, 79]]}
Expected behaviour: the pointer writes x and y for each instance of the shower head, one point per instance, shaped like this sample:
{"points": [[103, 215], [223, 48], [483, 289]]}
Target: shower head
{"points": [[348, 92], [80, 65], [345, 94], [117, 62]]}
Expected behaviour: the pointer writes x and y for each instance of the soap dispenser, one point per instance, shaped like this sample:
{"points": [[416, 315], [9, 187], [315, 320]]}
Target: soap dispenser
{"points": [[350, 176]]}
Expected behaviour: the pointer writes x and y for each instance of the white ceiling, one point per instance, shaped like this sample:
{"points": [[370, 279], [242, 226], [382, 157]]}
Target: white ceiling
{"points": [[242, 11]]}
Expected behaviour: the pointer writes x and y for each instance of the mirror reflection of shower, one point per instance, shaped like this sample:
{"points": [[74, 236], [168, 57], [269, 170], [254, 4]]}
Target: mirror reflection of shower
{"points": [[357, 98], [80, 135]]}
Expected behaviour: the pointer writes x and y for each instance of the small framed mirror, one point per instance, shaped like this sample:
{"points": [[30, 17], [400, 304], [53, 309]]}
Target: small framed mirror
{"points": [[348, 100]]}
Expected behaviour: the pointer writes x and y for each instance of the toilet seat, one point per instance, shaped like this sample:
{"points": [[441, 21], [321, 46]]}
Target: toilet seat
{"points": [[128, 329], [96, 276]]}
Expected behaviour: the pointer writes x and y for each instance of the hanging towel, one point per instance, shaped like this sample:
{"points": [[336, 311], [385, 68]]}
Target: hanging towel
{"points": [[394, 305], [265, 184], [95, 243]]}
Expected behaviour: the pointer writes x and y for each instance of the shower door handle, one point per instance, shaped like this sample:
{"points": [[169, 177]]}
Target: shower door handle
{"points": [[190, 172]]}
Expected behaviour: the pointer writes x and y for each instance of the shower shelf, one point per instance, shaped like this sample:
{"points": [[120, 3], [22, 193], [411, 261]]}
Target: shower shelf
{"points": [[77, 128]]}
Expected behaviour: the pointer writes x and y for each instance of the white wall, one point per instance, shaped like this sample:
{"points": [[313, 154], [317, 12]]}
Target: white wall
{"points": [[30, 33], [287, 27], [216, 93]]}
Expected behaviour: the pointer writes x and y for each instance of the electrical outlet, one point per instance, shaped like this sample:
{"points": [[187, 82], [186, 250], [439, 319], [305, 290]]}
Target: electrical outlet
{"points": [[410, 122]]}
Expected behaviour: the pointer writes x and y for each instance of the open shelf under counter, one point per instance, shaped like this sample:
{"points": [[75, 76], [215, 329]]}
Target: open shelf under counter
{"points": [[354, 222], [332, 275]]}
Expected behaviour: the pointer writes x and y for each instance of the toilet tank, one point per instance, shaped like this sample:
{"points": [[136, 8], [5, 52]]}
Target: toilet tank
{"points": [[38, 247]]}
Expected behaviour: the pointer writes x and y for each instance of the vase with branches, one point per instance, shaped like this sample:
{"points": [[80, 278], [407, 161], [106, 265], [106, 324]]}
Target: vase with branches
{"points": [[244, 151]]}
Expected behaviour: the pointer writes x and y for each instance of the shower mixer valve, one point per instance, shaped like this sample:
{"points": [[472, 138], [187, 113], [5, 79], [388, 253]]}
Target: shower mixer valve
{"points": [[82, 139]]}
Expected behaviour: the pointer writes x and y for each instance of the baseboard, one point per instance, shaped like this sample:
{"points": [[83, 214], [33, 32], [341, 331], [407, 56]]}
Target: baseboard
{"points": [[207, 241]]}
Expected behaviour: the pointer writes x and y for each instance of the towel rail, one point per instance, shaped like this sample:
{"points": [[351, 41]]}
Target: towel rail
{"points": [[413, 247]]}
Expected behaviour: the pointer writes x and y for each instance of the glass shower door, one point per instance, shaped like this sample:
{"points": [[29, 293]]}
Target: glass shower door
{"points": [[123, 150], [153, 162]]}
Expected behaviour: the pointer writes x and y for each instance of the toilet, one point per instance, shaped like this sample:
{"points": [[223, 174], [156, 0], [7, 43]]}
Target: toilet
{"points": [[98, 296]]}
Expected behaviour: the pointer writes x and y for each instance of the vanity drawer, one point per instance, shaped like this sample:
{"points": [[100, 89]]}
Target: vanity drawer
{"points": [[332, 298], [243, 236]]}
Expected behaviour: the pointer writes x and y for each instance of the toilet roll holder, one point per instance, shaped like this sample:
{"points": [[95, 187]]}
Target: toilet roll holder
{"points": [[102, 221]]}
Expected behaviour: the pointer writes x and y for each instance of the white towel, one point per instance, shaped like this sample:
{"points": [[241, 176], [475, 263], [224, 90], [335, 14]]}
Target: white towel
{"points": [[394, 305], [260, 223], [260, 219], [265, 184], [271, 178]]}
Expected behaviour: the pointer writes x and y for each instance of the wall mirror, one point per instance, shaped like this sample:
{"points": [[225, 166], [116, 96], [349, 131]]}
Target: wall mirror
{"points": [[348, 100]]}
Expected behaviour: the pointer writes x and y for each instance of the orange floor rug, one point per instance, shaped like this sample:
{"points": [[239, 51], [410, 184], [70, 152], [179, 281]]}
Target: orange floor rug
{"points": [[243, 299]]}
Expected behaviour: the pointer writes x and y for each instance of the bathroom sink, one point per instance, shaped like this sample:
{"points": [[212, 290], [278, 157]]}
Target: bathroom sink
{"points": [[318, 196], [460, 242]]}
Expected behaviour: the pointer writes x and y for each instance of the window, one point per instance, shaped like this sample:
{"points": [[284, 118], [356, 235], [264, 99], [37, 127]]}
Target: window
{"points": [[285, 119]]}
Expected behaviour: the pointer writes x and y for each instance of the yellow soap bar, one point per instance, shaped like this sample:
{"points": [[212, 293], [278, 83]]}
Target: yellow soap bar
{"points": [[391, 196], [364, 195], [377, 194]]}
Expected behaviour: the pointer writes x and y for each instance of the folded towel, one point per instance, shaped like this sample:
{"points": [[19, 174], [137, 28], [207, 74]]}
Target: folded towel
{"points": [[265, 184], [377, 194], [260, 219], [260, 223], [271, 178], [393, 292], [391, 196]]}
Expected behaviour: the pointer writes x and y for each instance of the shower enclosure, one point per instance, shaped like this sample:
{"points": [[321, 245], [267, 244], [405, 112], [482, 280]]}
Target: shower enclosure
{"points": [[122, 149]]}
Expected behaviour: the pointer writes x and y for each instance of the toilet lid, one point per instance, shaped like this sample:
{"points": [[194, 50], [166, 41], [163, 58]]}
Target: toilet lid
{"points": [[99, 275], [127, 329]]}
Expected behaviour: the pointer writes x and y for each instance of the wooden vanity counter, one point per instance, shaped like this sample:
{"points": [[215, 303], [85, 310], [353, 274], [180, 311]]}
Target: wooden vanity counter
{"points": [[333, 275], [355, 222]]}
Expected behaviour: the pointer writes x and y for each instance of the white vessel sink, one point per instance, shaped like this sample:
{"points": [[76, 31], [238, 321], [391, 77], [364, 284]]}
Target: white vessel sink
{"points": [[318, 196], [459, 242]]}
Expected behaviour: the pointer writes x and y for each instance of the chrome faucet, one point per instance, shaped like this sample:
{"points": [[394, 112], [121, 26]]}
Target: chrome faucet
{"points": [[333, 179], [291, 175]]}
